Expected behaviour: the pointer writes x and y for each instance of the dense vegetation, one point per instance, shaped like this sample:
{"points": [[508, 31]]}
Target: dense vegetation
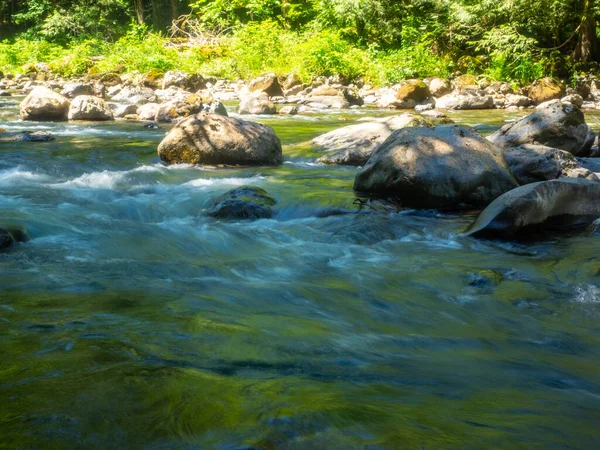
{"points": [[383, 41]]}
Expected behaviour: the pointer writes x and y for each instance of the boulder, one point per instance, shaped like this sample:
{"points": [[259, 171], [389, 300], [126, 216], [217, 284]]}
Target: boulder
{"points": [[44, 104], [148, 111], [449, 166], [153, 79], [124, 110], [215, 107], [88, 107], [560, 125], [289, 110], [464, 101], [190, 82], [519, 101], [256, 104], [72, 90], [415, 90], [353, 145], [525, 212], [576, 99], [214, 139], [546, 89], [244, 202], [467, 81], [533, 163], [269, 84], [328, 101], [440, 87], [135, 95], [110, 79], [10, 237], [292, 80]]}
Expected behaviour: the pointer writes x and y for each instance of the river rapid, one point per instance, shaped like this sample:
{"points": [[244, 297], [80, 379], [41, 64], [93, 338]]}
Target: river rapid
{"points": [[132, 320]]}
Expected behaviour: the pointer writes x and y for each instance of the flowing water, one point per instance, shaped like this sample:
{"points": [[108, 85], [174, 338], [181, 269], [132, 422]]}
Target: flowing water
{"points": [[131, 320]]}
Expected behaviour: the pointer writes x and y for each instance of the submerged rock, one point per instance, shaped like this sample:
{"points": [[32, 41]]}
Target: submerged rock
{"points": [[88, 107], [449, 166], [533, 163], [28, 136], [44, 104], [10, 237], [353, 145], [215, 139], [245, 202], [566, 203], [560, 125]]}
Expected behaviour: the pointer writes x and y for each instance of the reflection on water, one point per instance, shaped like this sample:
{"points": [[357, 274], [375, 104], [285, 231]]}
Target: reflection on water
{"points": [[131, 320]]}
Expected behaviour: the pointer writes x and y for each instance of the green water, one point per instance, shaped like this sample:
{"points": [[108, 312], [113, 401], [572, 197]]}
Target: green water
{"points": [[131, 320]]}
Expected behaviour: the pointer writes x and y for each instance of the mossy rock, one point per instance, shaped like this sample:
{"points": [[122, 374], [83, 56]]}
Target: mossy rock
{"points": [[415, 90], [465, 81], [29, 68], [244, 202], [485, 278], [110, 79], [546, 89], [153, 78]]}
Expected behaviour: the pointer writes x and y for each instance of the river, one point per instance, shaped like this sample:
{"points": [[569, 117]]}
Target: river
{"points": [[131, 320]]}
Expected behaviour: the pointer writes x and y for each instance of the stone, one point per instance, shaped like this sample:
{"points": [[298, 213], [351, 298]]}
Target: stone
{"points": [[190, 82], [532, 163], [546, 89], [269, 84], [148, 111], [72, 90], [88, 107], [465, 101], [244, 202], [415, 90], [289, 110], [28, 136], [214, 139], [531, 211], [353, 145], [449, 166], [43, 104], [257, 104], [440, 87], [560, 125]]}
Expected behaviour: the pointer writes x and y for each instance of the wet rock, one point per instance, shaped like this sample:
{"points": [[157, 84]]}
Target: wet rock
{"points": [[465, 101], [532, 163], [72, 90], [190, 82], [269, 84], [88, 107], [440, 87], [151, 126], [245, 202], [4, 93], [256, 104], [44, 104], [560, 125], [10, 237], [214, 139], [433, 114], [485, 278], [448, 166], [528, 211], [288, 110], [28, 136], [353, 145], [546, 89], [415, 90]]}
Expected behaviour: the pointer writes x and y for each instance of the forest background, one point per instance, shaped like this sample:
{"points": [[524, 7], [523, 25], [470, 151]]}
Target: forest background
{"points": [[379, 41]]}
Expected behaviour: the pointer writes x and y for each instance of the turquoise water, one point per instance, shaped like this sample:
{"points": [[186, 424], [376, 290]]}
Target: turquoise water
{"points": [[131, 320]]}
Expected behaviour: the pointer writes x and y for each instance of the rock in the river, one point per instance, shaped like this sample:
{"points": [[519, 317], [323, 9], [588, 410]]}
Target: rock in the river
{"points": [[148, 111], [72, 90], [440, 87], [135, 95], [269, 84], [565, 203], [28, 136], [289, 110], [10, 237], [533, 163], [44, 104], [415, 90], [448, 166], [560, 125], [464, 101], [257, 104], [546, 89], [214, 139], [244, 202], [190, 82], [88, 107], [353, 145]]}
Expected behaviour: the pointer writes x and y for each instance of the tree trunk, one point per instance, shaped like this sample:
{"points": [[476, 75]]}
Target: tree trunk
{"points": [[139, 11], [155, 14], [587, 49], [174, 9]]}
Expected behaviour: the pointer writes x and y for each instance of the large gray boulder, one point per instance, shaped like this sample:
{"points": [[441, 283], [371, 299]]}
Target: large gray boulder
{"points": [[44, 104], [135, 95], [533, 163], [353, 145], [448, 166], [565, 203], [257, 103], [215, 139], [559, 125], [190, 82], [88, 107], [244, 202], [465, 101], [72, 90]]}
